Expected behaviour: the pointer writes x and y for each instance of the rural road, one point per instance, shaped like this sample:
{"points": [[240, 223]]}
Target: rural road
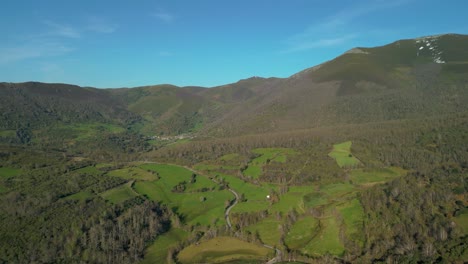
{"points": [[226, 214], [277, 258]]}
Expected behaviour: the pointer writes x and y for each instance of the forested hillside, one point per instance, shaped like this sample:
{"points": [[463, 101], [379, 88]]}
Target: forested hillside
{"points": [[362, 159]]}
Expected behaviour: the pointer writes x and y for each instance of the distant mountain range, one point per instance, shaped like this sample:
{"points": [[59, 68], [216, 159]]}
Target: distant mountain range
{"points": [[413, 78]]}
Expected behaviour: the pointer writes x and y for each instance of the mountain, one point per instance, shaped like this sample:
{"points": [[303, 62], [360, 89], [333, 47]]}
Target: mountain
{"points": [[406, 79], [362, 159]]}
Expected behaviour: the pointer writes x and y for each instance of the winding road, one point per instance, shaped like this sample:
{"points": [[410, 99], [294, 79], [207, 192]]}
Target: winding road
{"points": [[228, 210], [278, 252]]}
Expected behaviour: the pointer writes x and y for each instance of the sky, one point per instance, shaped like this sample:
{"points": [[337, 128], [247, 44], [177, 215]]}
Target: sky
{"points": [[117, 43]]}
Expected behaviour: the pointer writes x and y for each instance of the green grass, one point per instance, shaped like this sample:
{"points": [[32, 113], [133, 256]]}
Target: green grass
{"points": [[353, 215], [222, 249], [89, 170], [82, 196], [254, 168], [119, 194], [462, 221], [253, 171], [302, 232], [7, 133], [326, 241], [229, 157], [170, 175], [315, 199], [342, 154], [268, 229], [366, 176], [157, 252], [3, 189], [191, 206], [337, 189], [6, 172], [134, 173], [294, 198]]}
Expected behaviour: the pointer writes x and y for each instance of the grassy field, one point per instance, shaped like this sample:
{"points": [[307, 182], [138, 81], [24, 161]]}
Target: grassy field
{"points": [[368, 176], [268, 229], [134, 173], [7, 133], [204, 208], [337, 189], [342, 154], [462, 221], [196, 206], [83, 195], [327, 239], [302, 232], [294, 198], [89, 170], [119, 194], [254, 168], [3, 189], [157, 252], [6, 172], [353, 215], [223, 249]]}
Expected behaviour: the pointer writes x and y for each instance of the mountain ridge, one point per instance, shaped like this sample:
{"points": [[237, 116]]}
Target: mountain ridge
{"points": [[393, 81]]}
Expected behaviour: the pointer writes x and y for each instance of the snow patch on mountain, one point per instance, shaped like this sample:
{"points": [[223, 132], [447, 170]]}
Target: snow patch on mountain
{"points": [[431, 42]]}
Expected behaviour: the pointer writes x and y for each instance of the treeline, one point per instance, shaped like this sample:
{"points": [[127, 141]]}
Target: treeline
{"points": [[411, 219], [74, 231]]}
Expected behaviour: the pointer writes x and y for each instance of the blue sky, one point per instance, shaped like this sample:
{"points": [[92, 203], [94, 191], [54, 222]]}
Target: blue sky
{"points": [[206, 42]]}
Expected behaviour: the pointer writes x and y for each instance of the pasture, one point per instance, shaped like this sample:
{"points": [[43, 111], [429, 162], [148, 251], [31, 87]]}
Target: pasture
{"points": [[120, 193], [343, 156], [302, 232], [223, 249], [157, 251], [6, 172]]}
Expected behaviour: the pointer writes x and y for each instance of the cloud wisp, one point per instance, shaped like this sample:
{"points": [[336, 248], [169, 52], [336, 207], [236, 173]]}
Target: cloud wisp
{"points": [[336, 29], [61, 30], [100, 25], [164, 16], [56, 39], [32, 50]]}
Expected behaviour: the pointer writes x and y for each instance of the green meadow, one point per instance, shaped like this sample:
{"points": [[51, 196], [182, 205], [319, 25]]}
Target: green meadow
{"points": [[6, 172], [326, 240], [222, 250], [343, 156], [302, 232], [380, 175], [158, 250], [254, 168], [119, 194]]}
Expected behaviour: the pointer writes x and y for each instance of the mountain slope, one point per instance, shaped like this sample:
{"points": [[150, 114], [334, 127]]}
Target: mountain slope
{"points": [[396, 81], [410, 78]]}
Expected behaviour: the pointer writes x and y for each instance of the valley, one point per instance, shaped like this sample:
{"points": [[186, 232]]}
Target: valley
{"points": [[360, 160]]}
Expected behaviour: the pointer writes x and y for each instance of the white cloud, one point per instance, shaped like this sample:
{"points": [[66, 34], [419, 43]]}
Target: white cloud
{"points": [[336, 29], [164, 16], [36, 49], [318, 43], [61, 30], [100, 25]]}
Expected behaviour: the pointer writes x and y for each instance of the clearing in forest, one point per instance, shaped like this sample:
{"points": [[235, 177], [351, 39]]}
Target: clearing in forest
{"points": [[196, 198], [266, 155], [342, 154], [119, 194], [6, 172], [159, 250], [223, 249]]}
